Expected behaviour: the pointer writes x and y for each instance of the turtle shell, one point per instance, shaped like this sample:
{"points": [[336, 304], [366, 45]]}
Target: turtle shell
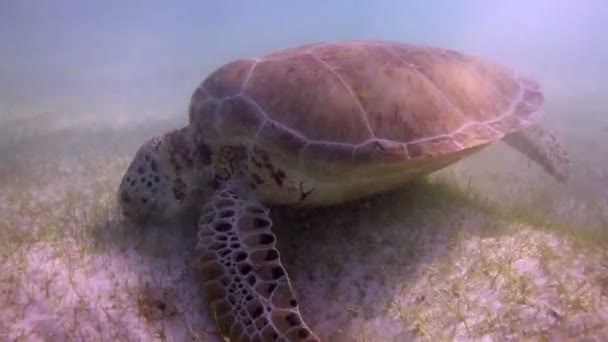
{"points": [[364, 101]]}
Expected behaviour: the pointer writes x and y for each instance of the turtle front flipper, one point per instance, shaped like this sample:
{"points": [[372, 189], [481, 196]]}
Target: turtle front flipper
{"points": [[244, 282], [542, 147]]}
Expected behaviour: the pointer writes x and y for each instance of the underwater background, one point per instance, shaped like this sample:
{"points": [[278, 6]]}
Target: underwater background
{"points": [[490, 249]]}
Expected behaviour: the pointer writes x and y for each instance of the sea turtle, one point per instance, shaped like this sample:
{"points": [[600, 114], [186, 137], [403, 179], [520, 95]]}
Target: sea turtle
{"points": [[316, 125]]}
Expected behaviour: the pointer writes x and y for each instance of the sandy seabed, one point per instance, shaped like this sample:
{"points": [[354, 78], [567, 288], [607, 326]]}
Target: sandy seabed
{"points": [[429, 262]]}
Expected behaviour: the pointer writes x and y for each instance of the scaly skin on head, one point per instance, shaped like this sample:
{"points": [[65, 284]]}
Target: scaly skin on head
{"points": [[167, 175]]}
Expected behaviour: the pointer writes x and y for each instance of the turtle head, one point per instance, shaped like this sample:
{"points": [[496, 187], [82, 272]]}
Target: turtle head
{"points": [[143, 192], [160, 181]]}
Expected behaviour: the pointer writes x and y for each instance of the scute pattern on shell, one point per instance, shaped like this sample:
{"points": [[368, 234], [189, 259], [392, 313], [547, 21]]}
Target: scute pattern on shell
{"points": [[366, 100]]}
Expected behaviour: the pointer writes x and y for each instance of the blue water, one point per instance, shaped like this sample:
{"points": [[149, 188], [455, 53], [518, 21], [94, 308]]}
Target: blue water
{"points": [[68, 45]]}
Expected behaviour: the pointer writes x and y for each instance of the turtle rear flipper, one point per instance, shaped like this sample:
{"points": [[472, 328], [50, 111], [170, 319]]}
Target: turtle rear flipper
{"points": [[541, 146], [248, 290]]}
